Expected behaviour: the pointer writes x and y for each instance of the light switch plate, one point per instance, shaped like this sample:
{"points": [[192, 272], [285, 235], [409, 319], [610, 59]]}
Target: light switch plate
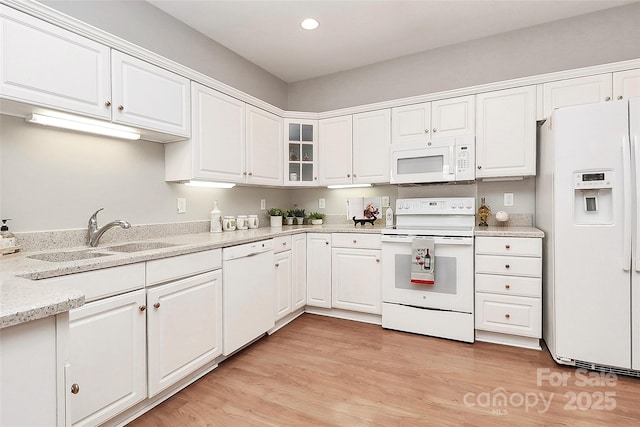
{"points": [[182, 205], [385, 201], [508, 199], [320, 203]]}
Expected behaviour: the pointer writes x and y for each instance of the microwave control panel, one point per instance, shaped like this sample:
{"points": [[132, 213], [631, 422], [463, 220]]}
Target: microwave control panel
{"points": [[465, 161]]}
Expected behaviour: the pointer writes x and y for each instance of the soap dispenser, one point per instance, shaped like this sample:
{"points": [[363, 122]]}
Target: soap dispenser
{"points": [[216, 218], [8, 239]]}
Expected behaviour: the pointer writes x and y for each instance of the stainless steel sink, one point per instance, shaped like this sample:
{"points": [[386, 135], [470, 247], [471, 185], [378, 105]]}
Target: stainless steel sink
{"points": [[67, 256], [140, 246]]}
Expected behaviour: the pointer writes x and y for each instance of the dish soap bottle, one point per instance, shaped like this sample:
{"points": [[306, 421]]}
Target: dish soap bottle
{"points": [[8, 239], [216, 218]]}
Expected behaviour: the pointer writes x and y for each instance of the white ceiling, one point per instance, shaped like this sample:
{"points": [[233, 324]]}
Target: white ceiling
{"points": [[355, 33]]}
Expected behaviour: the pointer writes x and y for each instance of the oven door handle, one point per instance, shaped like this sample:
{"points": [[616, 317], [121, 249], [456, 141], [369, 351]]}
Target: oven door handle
{"points": [[460, 241]]}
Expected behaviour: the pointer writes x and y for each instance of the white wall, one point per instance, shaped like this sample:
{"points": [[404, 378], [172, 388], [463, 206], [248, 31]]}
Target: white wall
{"points": [[597, 38], [147, 26], [53, 179]]}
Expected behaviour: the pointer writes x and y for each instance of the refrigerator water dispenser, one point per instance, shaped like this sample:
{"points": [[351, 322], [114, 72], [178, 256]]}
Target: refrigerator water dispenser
{"points": [[593, 197]]}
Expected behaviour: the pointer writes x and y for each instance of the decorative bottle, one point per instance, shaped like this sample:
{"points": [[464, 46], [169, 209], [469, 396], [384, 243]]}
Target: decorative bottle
{"points": [[483, 213], [216, 218]]}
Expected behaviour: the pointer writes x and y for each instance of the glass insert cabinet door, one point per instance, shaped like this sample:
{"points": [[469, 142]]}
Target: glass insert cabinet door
{"points": [[301, 141]]}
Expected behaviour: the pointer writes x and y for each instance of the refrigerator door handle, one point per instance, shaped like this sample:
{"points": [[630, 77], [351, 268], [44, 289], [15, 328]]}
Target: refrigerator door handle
{"points": [[626, 170], [636, 168]]}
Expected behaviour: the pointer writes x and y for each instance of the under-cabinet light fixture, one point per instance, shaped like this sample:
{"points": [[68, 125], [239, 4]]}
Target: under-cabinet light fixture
{"points": [[81, 125], [333, 187], [210, 184]]}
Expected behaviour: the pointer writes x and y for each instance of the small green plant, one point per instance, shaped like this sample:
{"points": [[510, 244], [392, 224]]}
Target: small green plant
{"points": [[290, 214], [316, 215], [297, 212], [276, 212]]}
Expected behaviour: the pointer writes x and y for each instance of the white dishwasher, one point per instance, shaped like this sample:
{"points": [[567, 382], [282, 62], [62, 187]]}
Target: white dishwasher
{"points": [[248, 293]]}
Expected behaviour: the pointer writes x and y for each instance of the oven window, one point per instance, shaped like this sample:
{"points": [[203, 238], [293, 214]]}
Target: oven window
{"points": [[445, 277], [413, 165]]}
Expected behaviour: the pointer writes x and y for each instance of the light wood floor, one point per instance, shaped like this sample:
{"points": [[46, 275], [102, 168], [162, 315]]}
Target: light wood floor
{"points": [[324, 371]]}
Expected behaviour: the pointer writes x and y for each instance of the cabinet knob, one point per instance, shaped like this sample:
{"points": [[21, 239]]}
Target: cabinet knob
{"points": [[348, 175], [156, 305], [244, 173], [506, 316], [507, 286], [479, 167], [75, 388], [107, 104], [608, 98], [354, 175], [435, 130], [507, 246], [619, 97], [354, 241], [326, 243], [315, 178], [426, 131], [250, 173], [284, 243], [142, 308], [121, 107], [377, 259], [507, 266], [277, 264]]}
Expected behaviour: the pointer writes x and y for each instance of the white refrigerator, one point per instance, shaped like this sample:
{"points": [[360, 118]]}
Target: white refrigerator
{"points": [[588, 205]]}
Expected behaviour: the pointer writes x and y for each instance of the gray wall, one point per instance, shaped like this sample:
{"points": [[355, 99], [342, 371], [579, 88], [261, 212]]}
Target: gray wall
{"points": [[147, 26], [53, 179], [592, 39]]}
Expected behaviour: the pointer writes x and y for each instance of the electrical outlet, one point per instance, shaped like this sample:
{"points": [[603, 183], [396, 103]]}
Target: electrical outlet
{"points": [[385, 201], [320, 203], [263, 204], [182, 205], [508, 199]]}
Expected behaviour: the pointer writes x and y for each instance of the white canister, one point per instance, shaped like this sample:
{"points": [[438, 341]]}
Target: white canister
{"points": [[253, 221], [229, 223], [242, 223]]}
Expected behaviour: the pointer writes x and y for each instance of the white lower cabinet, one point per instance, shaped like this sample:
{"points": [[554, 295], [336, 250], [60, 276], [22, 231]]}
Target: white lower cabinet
{"points": [[356, 272], [319, 270], [291, 273], [508, 285], [284, 291], [184, 328], [299, 271], [107, 367]]}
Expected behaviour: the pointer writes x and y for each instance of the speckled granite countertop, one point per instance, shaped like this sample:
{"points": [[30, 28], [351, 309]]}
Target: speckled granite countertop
{"points": [[508, 231], [24, 298]]}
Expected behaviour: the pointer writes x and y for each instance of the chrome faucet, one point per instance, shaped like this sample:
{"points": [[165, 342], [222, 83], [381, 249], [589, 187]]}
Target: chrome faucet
{"points": [[94, 233]]}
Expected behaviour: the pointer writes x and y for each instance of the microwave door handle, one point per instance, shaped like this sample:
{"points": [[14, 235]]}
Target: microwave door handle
{"points": [[452, 160]]}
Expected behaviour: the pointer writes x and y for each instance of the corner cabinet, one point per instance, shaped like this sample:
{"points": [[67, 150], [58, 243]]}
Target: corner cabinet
{"points": [[506, 133], [300, 152]]}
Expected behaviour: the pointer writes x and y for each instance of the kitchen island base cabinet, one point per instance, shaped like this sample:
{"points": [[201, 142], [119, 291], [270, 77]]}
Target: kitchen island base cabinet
{"points": [[31, 394], [107, 358], [184, 328]]}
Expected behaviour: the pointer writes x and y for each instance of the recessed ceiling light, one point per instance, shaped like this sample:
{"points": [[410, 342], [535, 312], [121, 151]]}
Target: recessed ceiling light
{"points": [[309, 24]]}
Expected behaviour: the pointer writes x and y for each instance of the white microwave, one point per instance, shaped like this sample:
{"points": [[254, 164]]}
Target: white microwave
{"points": [[437, 160]]}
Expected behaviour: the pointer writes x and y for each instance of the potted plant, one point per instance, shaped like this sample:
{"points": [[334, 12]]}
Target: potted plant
{"points": [[299, 214], [290, 217], [316, 218], [276, 217]]}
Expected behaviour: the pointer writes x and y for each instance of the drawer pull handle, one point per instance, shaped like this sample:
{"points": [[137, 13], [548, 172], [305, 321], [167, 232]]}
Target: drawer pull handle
{"points": [[142, 308], [507, 316], [75, 388], [507, 266], [507, 246], [156, 305], [507, 286]]}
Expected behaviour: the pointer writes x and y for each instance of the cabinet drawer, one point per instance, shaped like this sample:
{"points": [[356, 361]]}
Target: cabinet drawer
{"points": [[355, 240], [281, 244], [509, 285], [510, 246], [163, 270], [102, 283], [507, 314], [509, 265]]}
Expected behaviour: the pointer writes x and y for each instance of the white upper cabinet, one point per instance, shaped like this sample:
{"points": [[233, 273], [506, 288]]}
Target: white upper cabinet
{"points": [[452, 117], [335, 137], [626, 84], [411, 122], [422, 122], [148, 96], [264, 147], [371, 141], [582, 90], [506, 133], [301, 152], [45, 65]]}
